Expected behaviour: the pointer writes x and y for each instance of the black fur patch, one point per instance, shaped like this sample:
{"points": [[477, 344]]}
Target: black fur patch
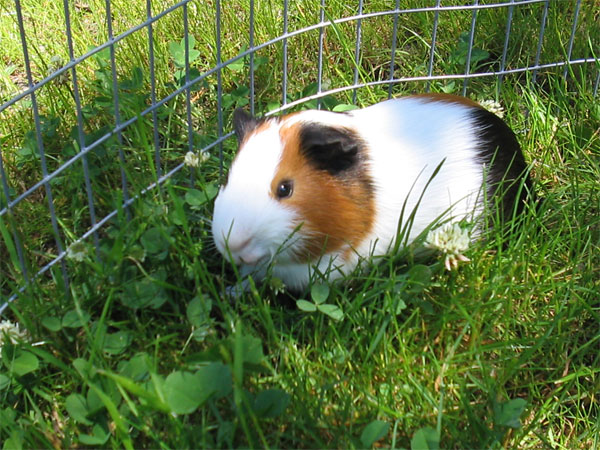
{"points": [[339, 151], [243, 123], [333, 149], [505, 165]]}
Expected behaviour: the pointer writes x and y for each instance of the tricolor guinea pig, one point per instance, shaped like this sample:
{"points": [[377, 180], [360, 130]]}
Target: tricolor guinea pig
{"points": [[320, 191]]}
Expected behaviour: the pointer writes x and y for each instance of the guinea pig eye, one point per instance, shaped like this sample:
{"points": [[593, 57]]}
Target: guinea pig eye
{"points": [[284, 189]]}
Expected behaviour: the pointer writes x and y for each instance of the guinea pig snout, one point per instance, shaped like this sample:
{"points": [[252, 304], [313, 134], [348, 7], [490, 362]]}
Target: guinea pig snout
{"points": [[243, 248], [243, 251], [249, 227]]}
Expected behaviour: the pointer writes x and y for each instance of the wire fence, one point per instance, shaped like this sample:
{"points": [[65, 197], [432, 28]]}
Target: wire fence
{"points": [[32, 185]]}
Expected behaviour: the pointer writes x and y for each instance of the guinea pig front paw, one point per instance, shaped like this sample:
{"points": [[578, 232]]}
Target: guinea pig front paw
{"points": [[236, 291]]}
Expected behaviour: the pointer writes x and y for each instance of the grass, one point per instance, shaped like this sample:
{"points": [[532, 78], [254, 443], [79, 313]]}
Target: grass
{"points": [[142, 349]]}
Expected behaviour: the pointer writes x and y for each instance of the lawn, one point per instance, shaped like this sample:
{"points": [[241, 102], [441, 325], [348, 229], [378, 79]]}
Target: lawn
{"points": [[130, 340]]}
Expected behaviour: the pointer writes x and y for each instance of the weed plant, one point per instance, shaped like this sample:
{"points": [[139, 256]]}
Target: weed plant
{"points": [[141, 347]]}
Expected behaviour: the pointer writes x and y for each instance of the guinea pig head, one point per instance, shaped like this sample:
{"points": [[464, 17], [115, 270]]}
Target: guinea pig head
{"points": [[299, 188]]}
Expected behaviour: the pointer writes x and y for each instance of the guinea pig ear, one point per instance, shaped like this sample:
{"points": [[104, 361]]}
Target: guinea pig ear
{"points": [[243, 123], [328, 148]]}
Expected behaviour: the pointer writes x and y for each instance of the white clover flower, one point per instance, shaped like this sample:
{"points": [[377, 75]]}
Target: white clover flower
{"points": [[192, 159], [10, 332], [77, 251], [56, 63], [452, 240], [493, 107]]}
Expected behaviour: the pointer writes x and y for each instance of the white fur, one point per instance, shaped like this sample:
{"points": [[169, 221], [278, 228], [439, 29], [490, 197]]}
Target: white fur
{"points": [[407, 139]]}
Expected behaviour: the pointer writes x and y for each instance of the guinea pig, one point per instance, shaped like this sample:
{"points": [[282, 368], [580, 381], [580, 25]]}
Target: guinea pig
{"points": [[318, 191]]}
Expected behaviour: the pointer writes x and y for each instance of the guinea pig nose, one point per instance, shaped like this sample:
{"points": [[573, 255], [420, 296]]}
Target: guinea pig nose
{"points": [[252, 259], [247, 261], [236, 245]]}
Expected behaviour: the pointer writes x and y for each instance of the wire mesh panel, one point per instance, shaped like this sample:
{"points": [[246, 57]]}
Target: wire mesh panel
{"points": [[88, 126]]}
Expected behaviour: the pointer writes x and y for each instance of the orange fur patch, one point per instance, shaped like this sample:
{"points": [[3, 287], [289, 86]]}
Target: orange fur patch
{"points": [[337, 211], [446, 98]]}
